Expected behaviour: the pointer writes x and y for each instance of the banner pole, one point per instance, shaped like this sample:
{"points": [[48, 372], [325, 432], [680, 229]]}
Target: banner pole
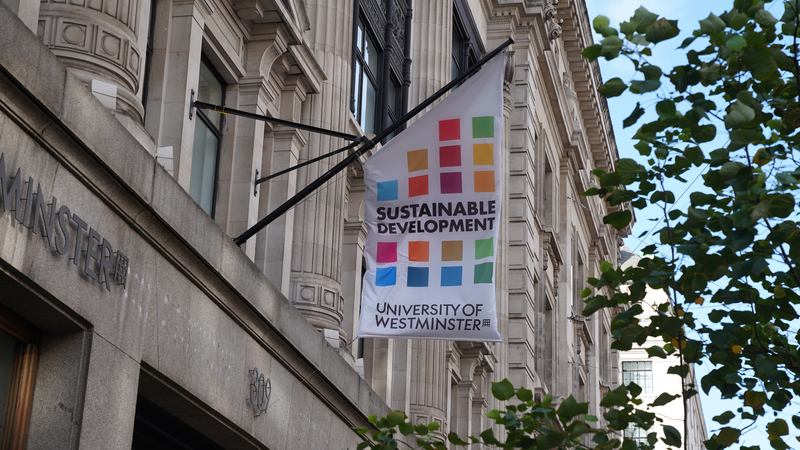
{"points": [[297, 198]]}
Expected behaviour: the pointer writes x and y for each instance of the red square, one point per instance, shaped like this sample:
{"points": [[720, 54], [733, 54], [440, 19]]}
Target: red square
{"points": [[450, 156], [449, 130], [418, 186]]}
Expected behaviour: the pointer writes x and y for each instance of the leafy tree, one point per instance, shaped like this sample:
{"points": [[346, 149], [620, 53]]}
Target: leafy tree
{"points": [[732, 113]]}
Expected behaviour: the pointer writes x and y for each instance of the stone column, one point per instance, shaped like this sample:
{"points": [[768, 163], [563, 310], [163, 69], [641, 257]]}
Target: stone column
{"points": [[319, 219], [176, 61], [431, 45], [27, 11], [237, 205], [355, 237], [102, 42]]}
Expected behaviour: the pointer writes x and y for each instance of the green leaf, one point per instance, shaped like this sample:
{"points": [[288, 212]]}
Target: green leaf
{"points": [[405, 428], [570, 408], [592, 52], [755, 399], [736, 43], [760, 63], [724, 417], [742, 138], [433, 426], [712, 25], [617, 397], [704, 133], [395, 418], [421, 430], [765, 19], [613, 87], [651, 72], [637, 112], [665, 109], [524, 395], [671, 436], [662, 30], [739, 114], [727, 436], [455, 440], [611, 46], [363, 445], [642, 19], [590, 418], [663, 399], [600, 24], [619, 219], [656, 351], [644, 86], [503, 390]]}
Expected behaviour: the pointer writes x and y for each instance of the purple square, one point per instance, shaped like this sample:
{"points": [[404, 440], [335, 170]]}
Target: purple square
{"points": [[450, 182]]}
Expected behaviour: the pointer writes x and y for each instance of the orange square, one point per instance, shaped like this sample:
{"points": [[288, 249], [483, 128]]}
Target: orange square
{"points": [[483, 154], [417, 160], [452, 250], [484, 181], [419, 251]]}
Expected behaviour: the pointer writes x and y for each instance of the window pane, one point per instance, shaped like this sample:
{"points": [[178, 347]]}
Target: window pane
{"points": [[371, 56], [357, 90], [209, 90], [639, 372], [360, 36], [204, 166], [368, 107]]}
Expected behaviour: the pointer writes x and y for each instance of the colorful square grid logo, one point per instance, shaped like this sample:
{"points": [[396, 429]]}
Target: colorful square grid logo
{"points": [[418, 162]]}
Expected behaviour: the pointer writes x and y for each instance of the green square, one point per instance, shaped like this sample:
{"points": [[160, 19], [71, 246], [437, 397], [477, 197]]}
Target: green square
{"points": [[484, 273], [483, 127], [484, 248]]}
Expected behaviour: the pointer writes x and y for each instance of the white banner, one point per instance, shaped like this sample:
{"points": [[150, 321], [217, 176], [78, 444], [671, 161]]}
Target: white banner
{"points": [[432, 207]]}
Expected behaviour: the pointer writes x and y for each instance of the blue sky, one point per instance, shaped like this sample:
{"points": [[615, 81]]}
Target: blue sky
{"points": [[688, 13]]}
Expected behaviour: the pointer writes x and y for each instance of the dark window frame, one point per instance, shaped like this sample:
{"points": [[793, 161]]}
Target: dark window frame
{"points": [[466, 30], [216, 131]]}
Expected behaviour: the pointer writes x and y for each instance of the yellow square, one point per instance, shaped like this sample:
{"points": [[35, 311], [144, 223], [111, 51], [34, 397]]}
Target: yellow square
{"points": [[417, 160], [483, 154], [452, 250]]}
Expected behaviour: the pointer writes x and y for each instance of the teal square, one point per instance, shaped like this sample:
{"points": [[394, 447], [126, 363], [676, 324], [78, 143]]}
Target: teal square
{"points": [[484, 248], [484, 273], [483, 127]]}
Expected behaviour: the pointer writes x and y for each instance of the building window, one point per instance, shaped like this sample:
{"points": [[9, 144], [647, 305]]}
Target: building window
{"points": [[19, 357], [639, 372], [207, 136], [466, 44], [636, 433], [366, 78], [381, 57]]}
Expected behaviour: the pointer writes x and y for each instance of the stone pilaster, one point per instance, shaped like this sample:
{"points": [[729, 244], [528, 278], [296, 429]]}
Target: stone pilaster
{"points": [[176, 69], [319, 219]]}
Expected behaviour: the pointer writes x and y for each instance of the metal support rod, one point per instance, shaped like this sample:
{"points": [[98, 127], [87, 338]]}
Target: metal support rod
{"points": [[297, 198], [310, 161], [286, 123]]}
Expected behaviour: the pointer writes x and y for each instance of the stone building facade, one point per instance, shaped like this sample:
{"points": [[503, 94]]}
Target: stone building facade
{"points": [[96, 107]]}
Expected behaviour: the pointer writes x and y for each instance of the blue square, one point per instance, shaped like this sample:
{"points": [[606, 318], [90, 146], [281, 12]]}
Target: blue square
{"points": [[386, 276], [417, 277], [451, 276], [387, 190]]}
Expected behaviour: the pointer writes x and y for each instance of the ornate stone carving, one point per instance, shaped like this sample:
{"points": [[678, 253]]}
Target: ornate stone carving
{"points": [[554, 31], [549, 11]]}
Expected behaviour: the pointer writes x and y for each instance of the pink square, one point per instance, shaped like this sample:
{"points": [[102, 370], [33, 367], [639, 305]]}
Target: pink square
{"points": [[450, 182], [450, 156], [387, 252], [449, 130]]}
